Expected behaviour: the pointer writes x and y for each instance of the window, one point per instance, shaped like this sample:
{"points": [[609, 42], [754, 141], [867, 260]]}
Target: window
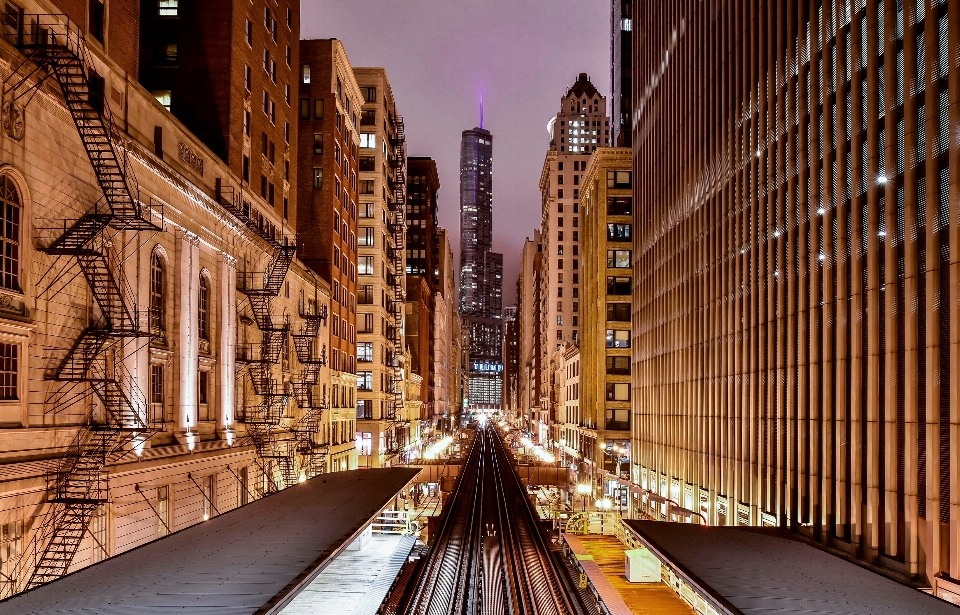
{"points": [[619, 179], [618, 285], [156, 384], [9, 356], [202, 389], [364, 381], [560, 180], [618, 391], [163, 507], [364, 438], [618, 311], [365, 265], [248, 32], [618, 338], [304, 73], [618, 259], [165, 53], [203, 326], [366, 236], [367, 186], [368, 139], [368, 117], [619, 206], [9, 234], [364, 352], [246, 122], [619, 232], [247, 77], [318, 108], [560, 221], [167, 8], [367, 210], [560, 193], [157, 292], [163, 97], [619, 366], [304, 108], [317, 144], [96, 21], [317, 178], [369, 94], [365, 323], [366, 294]]}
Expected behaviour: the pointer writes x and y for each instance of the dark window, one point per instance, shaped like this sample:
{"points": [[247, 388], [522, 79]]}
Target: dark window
{"points": [[368, 163], [204, 309], [318, 108], [619, 179], [618, 312], [369, 94], [619, 206], [317, 144], [618, 366], [304, 108], [156, 384], [368, 117], [165, 53], [202, 386], [95, 23], [618, 285], [365, 293], [618, 391], [317, 178], [9, 234], [9, 371], [157, 292]]}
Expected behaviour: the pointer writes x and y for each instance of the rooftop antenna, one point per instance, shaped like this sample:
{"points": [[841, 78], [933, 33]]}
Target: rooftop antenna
{"points": [[481, 107]]}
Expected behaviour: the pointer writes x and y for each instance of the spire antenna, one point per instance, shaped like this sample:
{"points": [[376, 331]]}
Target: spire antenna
{"points": [[481, 108]]}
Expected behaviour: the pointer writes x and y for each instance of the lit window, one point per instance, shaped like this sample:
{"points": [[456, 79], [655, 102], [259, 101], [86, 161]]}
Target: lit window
{"points": [[163, 97], [305, 73], [168, 8], [368, 139]]}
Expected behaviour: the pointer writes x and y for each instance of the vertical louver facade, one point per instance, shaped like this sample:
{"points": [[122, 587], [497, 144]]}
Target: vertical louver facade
{"points": [[797, 263]]}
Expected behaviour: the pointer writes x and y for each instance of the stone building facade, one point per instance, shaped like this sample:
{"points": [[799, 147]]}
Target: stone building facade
{"points": [[149, 379]]}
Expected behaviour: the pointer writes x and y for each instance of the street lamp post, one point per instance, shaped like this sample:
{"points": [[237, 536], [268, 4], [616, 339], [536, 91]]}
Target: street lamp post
{"points": [[583, 490]]}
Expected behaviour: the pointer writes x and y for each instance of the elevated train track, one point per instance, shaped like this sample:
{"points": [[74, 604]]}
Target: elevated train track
{"points": [[490, 555]]}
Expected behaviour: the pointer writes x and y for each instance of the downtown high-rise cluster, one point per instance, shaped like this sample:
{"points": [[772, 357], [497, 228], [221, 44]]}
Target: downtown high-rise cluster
{"points": [[221, 273], [747, 314]]}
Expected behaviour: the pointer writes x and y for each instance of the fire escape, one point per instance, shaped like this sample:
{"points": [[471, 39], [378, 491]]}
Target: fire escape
{"points": [[397, 161], [264, 419], [53, 47], [307, 430]]}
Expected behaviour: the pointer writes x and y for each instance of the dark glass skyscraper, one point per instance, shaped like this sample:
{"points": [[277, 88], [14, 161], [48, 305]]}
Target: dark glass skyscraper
{"points": [[481, 271]]}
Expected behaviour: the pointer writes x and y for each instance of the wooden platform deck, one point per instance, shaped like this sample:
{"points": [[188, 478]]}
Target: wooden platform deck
{"points": [[640, 598]]}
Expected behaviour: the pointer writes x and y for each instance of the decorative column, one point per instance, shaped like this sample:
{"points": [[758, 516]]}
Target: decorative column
{"points": [[227, 276], [187, 352]]}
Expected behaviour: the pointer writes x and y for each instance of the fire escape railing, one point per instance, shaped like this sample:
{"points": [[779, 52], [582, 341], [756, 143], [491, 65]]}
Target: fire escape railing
{"points": [[396, 225], [312, 448], [53, 47], [263, 420]]}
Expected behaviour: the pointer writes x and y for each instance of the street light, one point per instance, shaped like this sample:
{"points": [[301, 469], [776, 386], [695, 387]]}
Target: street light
{"points": [[583, 490]]}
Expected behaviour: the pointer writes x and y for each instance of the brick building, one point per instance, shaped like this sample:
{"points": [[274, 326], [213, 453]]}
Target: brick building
{"points": [[327, 207]]}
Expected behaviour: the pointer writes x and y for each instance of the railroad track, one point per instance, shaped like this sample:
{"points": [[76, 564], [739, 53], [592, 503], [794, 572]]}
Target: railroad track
{"points": [[490, 555]]}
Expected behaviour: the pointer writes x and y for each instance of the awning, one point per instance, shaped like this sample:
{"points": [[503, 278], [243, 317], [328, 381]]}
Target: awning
{"points": [[251, 560]]}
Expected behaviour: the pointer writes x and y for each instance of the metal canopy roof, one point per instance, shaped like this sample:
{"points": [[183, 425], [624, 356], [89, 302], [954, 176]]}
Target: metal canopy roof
{"points": [[744, 570], [253, 559]]}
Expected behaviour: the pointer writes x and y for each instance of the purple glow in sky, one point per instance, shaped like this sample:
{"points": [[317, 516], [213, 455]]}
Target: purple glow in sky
{"points": [[440, 54]]}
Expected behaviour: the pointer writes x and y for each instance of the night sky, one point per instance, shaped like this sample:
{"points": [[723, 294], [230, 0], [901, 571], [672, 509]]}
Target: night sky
{"points": [[439, 54]]}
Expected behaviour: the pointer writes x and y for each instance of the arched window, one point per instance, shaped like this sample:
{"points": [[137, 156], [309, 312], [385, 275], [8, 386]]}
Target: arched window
{"points": [[204, 311], [9, 234], [157, 293]]}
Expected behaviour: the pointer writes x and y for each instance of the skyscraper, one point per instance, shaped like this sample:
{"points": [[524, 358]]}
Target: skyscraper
{"points": [[481, 271]]}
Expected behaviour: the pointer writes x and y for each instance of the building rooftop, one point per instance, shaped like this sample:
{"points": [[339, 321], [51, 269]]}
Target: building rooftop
{"points": [[761, 571], [253, 559]]}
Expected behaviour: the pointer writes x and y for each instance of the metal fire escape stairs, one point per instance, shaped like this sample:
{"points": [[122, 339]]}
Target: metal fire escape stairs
{"points": [[53, 47], [308, 429], [264, 419], [397, 228]]}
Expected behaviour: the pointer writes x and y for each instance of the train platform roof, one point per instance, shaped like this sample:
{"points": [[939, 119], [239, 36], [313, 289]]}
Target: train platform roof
{"points": [[252, 560], [760, 571]]}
